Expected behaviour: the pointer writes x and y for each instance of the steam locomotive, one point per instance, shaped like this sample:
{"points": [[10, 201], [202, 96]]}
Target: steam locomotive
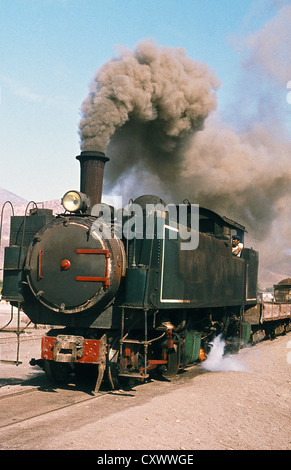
{"points": [[123, 299]]}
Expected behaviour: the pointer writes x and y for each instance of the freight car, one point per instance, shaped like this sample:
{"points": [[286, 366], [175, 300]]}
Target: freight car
{"points": [[126, 297], [271, 318]]}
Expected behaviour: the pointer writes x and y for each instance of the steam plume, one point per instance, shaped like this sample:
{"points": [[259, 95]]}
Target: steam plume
{"points": [[217, 362]]}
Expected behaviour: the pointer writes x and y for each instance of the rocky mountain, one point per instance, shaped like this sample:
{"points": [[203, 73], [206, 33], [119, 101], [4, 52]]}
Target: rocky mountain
{"points": [[6, 195], [268, 278]]}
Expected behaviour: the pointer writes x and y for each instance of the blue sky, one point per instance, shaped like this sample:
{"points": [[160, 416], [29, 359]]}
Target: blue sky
{"points": [[50, 50]]}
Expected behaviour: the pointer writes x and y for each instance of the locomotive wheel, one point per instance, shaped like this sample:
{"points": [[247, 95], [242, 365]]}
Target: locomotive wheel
{"points": [[57, 372], [173, 364]]}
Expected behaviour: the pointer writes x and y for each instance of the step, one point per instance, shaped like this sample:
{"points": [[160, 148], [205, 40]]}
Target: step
{"points": [[134, 375]]}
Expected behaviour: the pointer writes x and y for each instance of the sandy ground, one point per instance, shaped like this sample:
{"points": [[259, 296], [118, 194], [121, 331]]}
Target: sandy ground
{"points": [[241, 402], [243, 409]]}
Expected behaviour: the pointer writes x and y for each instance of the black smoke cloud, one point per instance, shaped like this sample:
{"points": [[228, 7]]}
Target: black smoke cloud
{"points": [[144, 106]]}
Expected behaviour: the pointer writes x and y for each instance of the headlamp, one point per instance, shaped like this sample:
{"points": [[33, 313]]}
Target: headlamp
{"points": [[74, 201]]}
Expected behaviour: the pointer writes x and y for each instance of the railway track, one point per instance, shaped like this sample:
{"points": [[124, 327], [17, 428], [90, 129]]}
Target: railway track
{"points": [[23, 339], [22, 403], [47, 401]]}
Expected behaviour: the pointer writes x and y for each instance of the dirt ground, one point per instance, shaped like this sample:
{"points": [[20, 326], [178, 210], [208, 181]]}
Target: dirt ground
{"points": [[243, 403], [243, 409]]}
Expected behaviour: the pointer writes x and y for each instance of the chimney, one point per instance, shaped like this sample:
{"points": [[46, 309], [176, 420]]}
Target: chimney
{"points": [[92, 169]]}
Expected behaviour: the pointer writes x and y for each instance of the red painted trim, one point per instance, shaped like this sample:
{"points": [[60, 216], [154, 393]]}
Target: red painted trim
{"points": [[95, 251], [39, 264], [91, 351], [90, 355], [90, 278], [47, 345]]}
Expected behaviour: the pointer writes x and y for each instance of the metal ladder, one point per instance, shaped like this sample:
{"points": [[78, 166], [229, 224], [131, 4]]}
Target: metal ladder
{"points": [[125, 340]]}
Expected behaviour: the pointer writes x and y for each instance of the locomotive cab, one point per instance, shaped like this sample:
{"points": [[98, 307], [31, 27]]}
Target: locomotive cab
{"points": [[222, 228]]}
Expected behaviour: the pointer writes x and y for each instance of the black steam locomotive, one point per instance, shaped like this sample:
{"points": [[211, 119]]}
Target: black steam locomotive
{"points": [[128, 297]]}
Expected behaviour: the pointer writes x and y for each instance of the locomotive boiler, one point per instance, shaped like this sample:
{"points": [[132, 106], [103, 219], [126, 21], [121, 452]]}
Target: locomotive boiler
{"points": [[121, 298]]}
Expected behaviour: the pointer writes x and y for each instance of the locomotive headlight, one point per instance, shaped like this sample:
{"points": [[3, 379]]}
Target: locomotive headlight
{"points": [[74, 201]]}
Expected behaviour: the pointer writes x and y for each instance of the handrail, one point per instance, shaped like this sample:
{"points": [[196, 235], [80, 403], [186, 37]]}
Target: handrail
{"points": [[2, 216]]}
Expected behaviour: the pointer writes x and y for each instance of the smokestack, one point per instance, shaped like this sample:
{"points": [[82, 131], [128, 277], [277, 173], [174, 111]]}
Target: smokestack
{"points": [[92, 169]]}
